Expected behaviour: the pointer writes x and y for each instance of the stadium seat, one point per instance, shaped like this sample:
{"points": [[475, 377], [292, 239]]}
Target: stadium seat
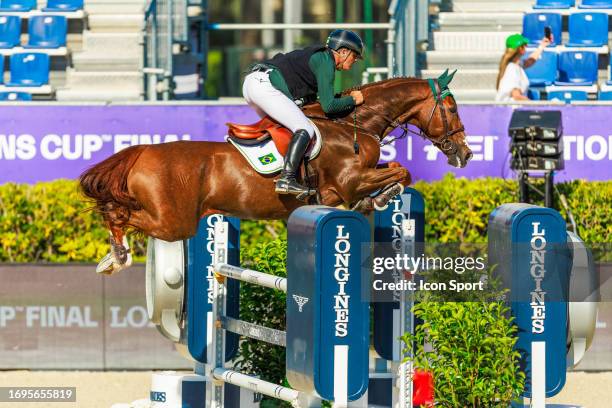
{"points": [[605, 96], [595, 4], [17, 5], [544, 71], [534, 94], [588, 30], [553, 4], [64, 5], [10, 31], [15, 96], [29, 69], [47, 32], [577, 68], [534, 24], [568, 96]]}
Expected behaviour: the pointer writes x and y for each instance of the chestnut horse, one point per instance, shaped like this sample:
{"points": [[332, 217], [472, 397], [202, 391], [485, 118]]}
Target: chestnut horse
{"points": [[163, 190]]}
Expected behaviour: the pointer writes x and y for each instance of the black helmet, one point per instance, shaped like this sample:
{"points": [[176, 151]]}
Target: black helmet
{"points": [[345, 39]]}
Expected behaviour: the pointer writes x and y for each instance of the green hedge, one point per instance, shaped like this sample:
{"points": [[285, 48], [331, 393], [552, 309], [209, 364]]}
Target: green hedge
{"points": [[457, 209], [49, 222]]}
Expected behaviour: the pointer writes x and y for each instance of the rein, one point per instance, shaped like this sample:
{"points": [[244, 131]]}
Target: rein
{"points": [[445, 144]]}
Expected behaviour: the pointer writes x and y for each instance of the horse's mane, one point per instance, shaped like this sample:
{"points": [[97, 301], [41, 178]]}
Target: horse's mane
{"points": [[381, 82], [314, 110]]}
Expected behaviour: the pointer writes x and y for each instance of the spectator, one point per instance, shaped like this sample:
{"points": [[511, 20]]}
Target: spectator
{"points": [[512, 81]]}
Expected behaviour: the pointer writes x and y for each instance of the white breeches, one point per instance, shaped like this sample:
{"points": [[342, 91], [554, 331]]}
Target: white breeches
{"points": [[267, 100]]}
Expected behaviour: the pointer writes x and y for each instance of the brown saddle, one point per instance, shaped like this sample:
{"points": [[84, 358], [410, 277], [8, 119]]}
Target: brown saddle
{"points": [[258, 132]]}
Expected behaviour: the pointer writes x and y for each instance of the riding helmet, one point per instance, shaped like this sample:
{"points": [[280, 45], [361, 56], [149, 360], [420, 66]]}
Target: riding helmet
{"points": [[345, 39]]}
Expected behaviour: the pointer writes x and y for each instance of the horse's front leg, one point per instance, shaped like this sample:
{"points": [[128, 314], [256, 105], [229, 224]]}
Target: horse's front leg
{"points": [[390, 180]]}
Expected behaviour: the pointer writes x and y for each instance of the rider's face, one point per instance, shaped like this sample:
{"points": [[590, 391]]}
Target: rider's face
{"points": [[347, 59]]}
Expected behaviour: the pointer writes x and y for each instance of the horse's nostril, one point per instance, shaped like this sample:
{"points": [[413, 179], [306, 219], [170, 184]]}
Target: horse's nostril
{"points": [[468, 157]]}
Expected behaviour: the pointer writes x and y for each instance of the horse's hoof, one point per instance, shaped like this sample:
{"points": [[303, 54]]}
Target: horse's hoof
{"points": [[380, 207], [106, 265], [364, 206], [306, 195], [109, 265]]}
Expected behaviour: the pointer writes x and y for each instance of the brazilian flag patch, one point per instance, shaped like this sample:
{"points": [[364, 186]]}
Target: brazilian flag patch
{"points": [[267, 159]]}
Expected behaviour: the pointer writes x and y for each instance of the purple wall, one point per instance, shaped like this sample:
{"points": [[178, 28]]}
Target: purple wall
{"points": [[39, 143]]}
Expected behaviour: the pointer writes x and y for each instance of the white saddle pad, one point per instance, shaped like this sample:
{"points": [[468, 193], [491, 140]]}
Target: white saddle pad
{"points": [[265, 158]]}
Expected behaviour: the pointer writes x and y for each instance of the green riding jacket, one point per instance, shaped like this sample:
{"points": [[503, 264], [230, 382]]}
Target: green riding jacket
{"points": [[322, 65]]}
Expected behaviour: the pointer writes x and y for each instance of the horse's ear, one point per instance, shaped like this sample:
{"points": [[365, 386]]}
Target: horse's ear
{"points": [[450, 77], [443, 79], [443, 76]]}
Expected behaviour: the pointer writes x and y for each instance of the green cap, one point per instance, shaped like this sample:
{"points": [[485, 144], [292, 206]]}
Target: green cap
{"points": [[516, 40]]}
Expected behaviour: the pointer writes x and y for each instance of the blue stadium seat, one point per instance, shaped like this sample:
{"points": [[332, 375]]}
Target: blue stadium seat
{"points": [[64, 5], [588, 30], [47, 32], [554, 4], [595, 4], [544, 71], [10, 31], [605, 96], [577, 68], [15, 96], [534, 24], [29, 69], [568, 96], [534, 94], [17, 5]]}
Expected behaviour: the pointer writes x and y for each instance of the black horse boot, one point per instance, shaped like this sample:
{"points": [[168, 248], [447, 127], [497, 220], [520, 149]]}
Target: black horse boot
{"points": [[287, 183]]}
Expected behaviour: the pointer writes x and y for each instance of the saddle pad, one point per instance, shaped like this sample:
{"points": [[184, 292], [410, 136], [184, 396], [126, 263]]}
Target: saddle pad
{"points": [[265, 158]]}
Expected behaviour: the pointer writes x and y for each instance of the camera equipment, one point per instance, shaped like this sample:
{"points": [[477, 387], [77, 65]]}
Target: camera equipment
{"points": [[536, 150]]}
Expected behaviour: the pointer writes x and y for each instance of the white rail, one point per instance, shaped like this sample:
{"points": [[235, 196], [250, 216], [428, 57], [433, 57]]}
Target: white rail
{"points": [[257, 385], [299, 26], [251, 276]]}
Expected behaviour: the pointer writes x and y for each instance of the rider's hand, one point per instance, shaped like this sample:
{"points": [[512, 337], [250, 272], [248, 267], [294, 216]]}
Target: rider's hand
{"points": [[357, 96]]}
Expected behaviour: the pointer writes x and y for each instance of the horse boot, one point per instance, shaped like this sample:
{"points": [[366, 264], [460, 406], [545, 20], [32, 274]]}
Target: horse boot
{"points": [[287, 183]]}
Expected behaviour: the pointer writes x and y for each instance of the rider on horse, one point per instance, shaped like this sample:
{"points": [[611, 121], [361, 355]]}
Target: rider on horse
{"points": [[277, 86]]}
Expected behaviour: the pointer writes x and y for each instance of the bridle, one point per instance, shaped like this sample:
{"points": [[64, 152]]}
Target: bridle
{"points": [[445, 143]]}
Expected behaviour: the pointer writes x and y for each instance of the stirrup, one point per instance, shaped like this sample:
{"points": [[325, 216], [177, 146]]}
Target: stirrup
{"points": [[294, 188]]}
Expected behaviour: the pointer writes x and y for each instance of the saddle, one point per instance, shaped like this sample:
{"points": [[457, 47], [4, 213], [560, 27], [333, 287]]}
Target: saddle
{"points": [[258, 132]]}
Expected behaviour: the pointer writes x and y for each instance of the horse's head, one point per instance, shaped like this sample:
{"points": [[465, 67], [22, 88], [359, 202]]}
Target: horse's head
{"points": [[441, 123]]}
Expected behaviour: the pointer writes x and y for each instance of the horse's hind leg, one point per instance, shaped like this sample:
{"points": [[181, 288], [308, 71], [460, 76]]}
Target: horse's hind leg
{"points": [[119, 257]]}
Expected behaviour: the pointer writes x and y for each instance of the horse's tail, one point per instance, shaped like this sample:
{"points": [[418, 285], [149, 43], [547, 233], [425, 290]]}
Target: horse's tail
{"points": [[106, 184]]}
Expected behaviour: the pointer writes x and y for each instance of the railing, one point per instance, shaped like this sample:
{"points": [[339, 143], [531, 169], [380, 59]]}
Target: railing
{"points": [[409, 20], [166, 23], [375, 73]]}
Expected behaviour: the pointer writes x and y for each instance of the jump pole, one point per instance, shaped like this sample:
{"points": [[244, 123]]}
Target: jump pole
{"points": [[219, 375], [334, 363]]}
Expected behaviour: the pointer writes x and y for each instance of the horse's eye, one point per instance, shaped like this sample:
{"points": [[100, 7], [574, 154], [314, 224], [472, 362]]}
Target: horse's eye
{"points": [[453, 107]]}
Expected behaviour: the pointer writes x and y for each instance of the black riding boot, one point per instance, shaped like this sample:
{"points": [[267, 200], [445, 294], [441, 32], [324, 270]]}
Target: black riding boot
{"points": [[287, 183]]}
